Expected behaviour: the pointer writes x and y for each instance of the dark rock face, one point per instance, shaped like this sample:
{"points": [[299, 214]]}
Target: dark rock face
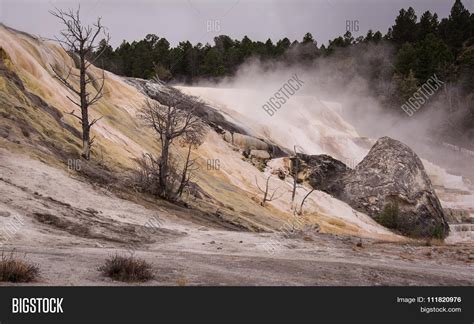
{"points": [[390, 185], [322, 172]]}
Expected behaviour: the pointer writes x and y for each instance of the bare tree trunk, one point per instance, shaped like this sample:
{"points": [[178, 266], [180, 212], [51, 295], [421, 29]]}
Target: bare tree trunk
{"points": [[295, 178], [185, 173], [302, 202], [266, 192], [295, 167], [86, 149], [164, 168]]}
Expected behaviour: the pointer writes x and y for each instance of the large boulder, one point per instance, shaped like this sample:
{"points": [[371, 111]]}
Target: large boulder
{"points": [[390, 185]]}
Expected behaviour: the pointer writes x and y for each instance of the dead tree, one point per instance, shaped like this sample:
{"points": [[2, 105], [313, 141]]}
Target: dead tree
{"points": [[191, 139], [172, 119], [266, 197], [295, 167], [300, 212], [79, 42]]}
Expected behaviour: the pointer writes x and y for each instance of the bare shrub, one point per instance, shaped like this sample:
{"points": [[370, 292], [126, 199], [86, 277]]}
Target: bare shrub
{"points": [[266, 195], [98, 173], [127, 269], [146, 176], [15, 269]]}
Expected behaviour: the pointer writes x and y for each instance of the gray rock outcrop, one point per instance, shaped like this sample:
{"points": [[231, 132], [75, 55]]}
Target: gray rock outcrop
{"points": [[259, 154], [246, 142], [390, 185]]}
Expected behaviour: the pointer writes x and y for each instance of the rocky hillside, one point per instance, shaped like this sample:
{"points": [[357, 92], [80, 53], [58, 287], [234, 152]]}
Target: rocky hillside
{"points": [[36, 122]]}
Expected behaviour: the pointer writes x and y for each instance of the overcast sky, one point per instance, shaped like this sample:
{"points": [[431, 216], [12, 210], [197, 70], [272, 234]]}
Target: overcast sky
{"points": [[201, 20]]}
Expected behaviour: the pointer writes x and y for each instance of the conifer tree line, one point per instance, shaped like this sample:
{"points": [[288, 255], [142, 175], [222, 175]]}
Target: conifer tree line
{"points": [[423, 46]]}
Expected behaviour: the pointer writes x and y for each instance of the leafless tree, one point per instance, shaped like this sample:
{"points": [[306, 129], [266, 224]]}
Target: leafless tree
{"points": [[300, 211], [266, 196], [295, 169], [172, 119], [191, 139], [79, 42]]}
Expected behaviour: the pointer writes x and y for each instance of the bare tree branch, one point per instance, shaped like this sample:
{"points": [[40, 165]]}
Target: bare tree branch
{"points": [[95, 121], [73, 114]]}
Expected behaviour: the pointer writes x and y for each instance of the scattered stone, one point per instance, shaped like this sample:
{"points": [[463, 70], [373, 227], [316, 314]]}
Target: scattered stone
{"points": [[4, 213], [92, 211], [212, 242]]}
